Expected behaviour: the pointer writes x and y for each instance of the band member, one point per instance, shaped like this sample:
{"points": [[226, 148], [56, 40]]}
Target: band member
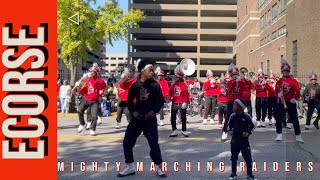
{"points": [[240, 127], [222, 100], [165, 91], [210, 89], [261, 88], [122, 94], [311, 96], [248, 86], [234, 91], [149, 100], [288, 92], [272, 97], [180, 100], [92, 91]]}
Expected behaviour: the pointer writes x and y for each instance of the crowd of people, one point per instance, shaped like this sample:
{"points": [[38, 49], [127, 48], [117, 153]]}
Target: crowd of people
{"points": [[236, 98]]}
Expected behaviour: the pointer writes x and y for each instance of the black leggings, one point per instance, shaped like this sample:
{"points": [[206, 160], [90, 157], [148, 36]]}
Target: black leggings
{"points": [[261, 107]]}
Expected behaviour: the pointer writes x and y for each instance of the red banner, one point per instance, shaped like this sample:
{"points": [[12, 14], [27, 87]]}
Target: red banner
{"points": [[28, 33]]}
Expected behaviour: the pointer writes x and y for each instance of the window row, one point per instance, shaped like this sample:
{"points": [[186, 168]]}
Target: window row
{"points": [[273, 14], [274, 35]]}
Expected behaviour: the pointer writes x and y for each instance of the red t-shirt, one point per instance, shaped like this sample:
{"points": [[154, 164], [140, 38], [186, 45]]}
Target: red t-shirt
{"points": [[164, 87], [234, 90], [210, 88], [179, 92], [222, 97], [91, 89], [261, 90], [271, 89], [123, 89], [290, 86], [247, 87]]}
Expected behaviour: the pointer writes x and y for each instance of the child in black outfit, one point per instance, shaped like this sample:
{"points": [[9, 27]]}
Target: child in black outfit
{"points": [[240, 127]]}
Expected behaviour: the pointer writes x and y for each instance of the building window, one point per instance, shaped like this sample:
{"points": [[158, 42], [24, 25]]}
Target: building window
{"points": [[268, 66], [295, 58], [281, 58], [274, 12], [274, 35], [282, 30], [283, 4], [113, 58], [269, 17], [262, 23], [113, 65], [261, 66]]}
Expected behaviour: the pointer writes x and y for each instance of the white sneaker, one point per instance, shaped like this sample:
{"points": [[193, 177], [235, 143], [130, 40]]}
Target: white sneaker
{"points": [[299, 138], [160, 172], [220, 126], [224, 136], [118, 126], [174, 133], [99, 121], [92, 132], [259, 124], [289, 125], [270, 122], [161, 123], [80, 128], [279, 137], [204, 121], [263, 124], [211, 121], [88, 125], [185, 133], [307, 127], [129, 170]]}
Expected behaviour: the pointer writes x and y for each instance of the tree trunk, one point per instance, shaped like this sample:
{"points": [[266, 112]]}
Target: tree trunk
{"points": [[73, 76]]}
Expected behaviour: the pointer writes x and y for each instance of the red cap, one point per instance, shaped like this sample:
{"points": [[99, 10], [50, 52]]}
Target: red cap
{"points": [[285, 67], [160, 73], [96, 69], [313, 76]]}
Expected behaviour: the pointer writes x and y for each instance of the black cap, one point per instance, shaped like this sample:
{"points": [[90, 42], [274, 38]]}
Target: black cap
{"points": [[143, 63]]}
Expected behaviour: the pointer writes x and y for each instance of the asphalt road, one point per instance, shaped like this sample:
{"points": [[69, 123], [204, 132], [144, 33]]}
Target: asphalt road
{"points": [[203, 146]]}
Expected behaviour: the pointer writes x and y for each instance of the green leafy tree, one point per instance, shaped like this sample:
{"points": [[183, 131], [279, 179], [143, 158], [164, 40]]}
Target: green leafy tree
{"points": [[107, 22]]}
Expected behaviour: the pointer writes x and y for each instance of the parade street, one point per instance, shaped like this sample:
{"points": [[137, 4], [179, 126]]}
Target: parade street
{"points": [[202, 146]]}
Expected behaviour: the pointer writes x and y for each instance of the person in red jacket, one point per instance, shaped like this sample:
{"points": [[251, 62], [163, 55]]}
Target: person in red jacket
{"points": [[288, 92], [92, 90], [248, 86], [210, 89], [272, 97], [179, 94], [165, 90], [234, 91], [122, 93], [261, 88], [222, 100]]}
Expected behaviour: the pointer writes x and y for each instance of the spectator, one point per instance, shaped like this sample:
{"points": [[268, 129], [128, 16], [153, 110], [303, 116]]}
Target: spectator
{"points": [[65, 96]]}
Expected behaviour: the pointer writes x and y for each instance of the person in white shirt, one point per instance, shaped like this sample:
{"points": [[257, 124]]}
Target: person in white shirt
{"points": [[65, 96]]}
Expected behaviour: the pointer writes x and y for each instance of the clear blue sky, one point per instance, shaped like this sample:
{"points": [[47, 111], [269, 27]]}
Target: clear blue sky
{"points": [[118, 46]]}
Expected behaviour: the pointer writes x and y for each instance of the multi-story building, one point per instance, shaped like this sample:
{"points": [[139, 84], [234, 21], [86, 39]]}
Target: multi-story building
{"points": [[202, 30], [271, 30], [93, 57], [261, 35], [113, 61], [303, 39]]}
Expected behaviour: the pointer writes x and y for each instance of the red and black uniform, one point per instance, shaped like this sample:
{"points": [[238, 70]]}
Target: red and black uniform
{"points": [[246, 94], [261, 100], [234, 91], [222, 103], [311, 96], [291, 90], [179, 94], [272, 98], [123, 91], [165, 92], [211, 93], [92, 91]]}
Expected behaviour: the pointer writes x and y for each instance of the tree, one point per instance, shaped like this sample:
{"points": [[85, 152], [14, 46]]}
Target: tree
{"points": [[107, 22]]}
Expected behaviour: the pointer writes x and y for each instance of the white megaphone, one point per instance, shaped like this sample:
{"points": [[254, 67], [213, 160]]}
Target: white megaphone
{"points": [[187, 67]]}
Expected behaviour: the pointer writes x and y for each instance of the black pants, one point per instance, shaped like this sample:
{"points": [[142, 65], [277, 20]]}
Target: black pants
{"points": [[281, 117], [244, 147], [249, 107], [183, 112], [93, 112], [211, 104], [272, 101], [222, 111], [122, 107], [150, 131], [89, 113], [261, 108], [311, 107], [161, 112], [229, 112]]}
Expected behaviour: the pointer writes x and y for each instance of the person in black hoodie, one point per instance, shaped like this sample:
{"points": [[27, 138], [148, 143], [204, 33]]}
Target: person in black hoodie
{"points": [[144, 101], [240, 127]]}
